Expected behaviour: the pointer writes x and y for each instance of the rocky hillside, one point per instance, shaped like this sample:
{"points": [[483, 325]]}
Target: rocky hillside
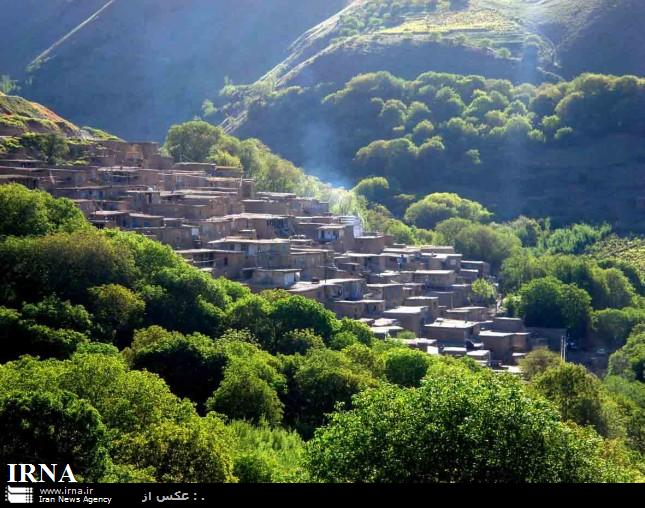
{"points": [[134, 67]]}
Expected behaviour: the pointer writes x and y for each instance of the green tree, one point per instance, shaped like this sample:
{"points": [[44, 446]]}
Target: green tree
{"points": [[186, 300], [447, 104], [298, 313], [420, 435], [406, 367], [577, 394], [613, 326], [192, 141], [484, 292], [253, 313], [66, 264], [180, 360], [575, 239], [342, 340], [26, 212], [316, 383], [117, 312], [39, 340], [422, 132], [129, 401], [196, 451], [548, 302], [438, 207], [297, 342], [242, 395], [538, 361], [55, 313], [360, 330], [223, 158], [629, 361], [266, 454], [491, 244], [375, 189], [43, 428]]}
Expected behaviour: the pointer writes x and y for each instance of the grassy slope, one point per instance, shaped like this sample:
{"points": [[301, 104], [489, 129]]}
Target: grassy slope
{"points": [[27, 116]]}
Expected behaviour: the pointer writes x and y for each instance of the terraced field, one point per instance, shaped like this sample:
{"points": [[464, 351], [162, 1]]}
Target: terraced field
{"points": [[477, 27]]}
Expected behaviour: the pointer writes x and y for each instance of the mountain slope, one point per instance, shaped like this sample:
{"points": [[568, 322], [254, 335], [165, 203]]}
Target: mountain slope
{"points": [[19, 116], [552, 150], [141, 65], [521, 40], [28, 28]]}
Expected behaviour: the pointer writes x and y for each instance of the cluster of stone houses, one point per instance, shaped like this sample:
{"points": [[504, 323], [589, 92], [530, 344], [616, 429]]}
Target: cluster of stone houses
{"points": [[217, 220]]}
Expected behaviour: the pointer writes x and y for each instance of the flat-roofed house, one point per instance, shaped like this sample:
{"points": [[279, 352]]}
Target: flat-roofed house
{"points": [[481, 356], [276, 278], [357, 309], [370, 244], [311, 290], [468, 313], [450, 330], [201, 258], [508, 324], [228, 263], [313, 263], [261, 253], [435, 278], [410, 318], [432, 302], [437, 249], [500, 344], [339, 236], [367, 262], [344, 289], [392, 293], [482, 267]]}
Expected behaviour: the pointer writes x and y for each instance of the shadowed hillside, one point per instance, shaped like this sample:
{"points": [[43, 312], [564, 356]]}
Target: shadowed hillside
{"points": [[141, 65]]}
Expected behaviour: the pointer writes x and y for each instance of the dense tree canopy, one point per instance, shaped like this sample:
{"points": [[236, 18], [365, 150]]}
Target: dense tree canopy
{"points": [[175, 376], [30, 213], [420, 435], [629, 361], [576, 392], [441, 132], [41, 428], [438, 207], [550, 303]]}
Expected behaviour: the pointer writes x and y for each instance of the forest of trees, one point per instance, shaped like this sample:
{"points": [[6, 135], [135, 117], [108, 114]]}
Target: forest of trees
{"points": [[156, 372], [452, 132], [439, 121]]}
